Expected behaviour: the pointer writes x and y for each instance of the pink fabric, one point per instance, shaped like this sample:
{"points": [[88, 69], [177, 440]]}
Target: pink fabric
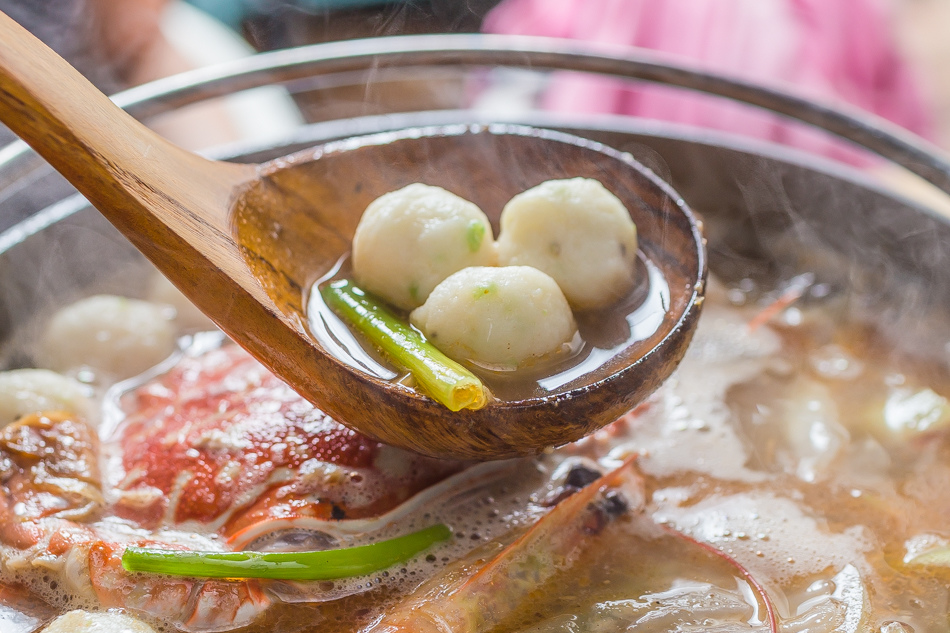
{"points": [[826, 49]]}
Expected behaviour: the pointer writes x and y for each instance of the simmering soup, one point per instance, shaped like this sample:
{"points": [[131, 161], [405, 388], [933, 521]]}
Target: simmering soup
{"points": [[791, 477]]}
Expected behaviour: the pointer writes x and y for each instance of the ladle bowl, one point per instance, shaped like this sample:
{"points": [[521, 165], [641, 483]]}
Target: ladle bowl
{"points": [[245, 242], [325, 191]]}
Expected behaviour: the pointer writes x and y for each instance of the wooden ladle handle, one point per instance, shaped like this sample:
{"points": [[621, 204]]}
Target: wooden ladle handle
{"points": [[121, 166], [173, 205]]}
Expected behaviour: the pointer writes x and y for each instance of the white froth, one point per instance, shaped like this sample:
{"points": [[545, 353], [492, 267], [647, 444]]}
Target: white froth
{"points": [[480, 507], [723, 336], [60, 581], [63, 581], [769, 535], [917, 546], [79, 621]]}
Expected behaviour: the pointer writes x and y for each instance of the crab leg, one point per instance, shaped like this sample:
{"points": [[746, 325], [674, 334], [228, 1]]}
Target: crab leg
{"points": [[481, 601], [50, 493]]}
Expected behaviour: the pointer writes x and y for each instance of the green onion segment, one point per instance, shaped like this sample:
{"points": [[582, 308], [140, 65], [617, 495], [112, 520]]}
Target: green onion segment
{"points": [[323, 565], [439, 376]]}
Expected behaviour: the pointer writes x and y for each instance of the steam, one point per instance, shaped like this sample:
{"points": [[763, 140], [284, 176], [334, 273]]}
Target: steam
{"points": [[68, 27], [880, 255]]}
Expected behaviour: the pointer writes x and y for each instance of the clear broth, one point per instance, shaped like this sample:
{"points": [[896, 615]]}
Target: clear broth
{"points": [[602, 335]]}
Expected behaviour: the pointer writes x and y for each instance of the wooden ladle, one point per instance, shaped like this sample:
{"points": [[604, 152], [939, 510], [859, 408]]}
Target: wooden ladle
{"points": [[245, 243]]}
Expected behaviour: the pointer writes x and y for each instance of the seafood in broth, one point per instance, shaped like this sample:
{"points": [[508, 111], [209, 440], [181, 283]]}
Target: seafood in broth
{"points": [[790, 477]]}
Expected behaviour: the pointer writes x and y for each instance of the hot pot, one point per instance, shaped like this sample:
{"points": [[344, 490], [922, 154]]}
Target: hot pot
{"points": [[770, 212], [768, 208]]}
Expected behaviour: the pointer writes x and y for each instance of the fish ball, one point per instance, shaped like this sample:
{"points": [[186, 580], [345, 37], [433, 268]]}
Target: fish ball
{"points": [[25, 391], [577, 232], [502, 317], [409, 240], [79, 621], [109, 335]]}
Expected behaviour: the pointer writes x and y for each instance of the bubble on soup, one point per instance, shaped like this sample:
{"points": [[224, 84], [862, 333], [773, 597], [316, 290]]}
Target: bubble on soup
{"points": [[502, 317], [770, 535], [576, 231], [409, 240], [481, 504], [66, 591], [115, 336]]}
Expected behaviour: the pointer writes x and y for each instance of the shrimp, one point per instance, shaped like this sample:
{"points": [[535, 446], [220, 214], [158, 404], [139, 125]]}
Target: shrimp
{"points": [[479, 596]]}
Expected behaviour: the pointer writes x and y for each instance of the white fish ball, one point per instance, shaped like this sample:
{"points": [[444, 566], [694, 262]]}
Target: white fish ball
{"points": [[577, 232], [409, 240], [501, 317], [79, 621], [108, 335], [25, 391]]}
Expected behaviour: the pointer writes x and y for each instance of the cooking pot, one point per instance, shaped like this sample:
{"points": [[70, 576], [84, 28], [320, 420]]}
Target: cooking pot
{"points": [[770, 211]]}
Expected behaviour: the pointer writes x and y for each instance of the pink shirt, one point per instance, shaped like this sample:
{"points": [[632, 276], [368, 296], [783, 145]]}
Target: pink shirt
{"points": [[833, 50]]}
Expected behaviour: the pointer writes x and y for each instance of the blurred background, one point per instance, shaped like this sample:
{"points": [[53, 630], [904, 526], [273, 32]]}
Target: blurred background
{"points": [[887, 57]]}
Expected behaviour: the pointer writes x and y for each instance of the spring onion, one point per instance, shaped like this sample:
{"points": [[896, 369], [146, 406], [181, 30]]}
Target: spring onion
{"points": [[439, 376], [322, 565]]}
